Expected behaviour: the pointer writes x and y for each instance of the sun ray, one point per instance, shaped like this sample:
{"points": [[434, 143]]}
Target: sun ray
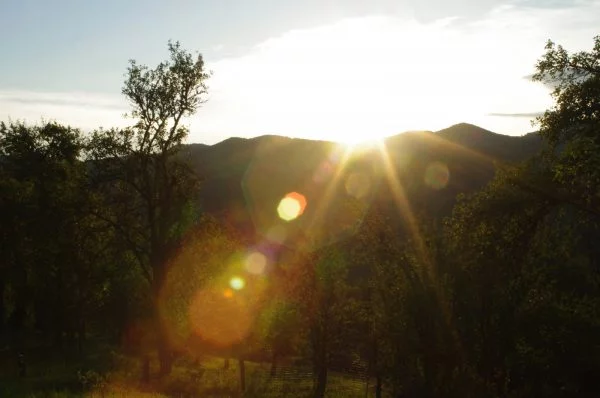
{"points": [[459, 149], [402, 203], [322, 207]]}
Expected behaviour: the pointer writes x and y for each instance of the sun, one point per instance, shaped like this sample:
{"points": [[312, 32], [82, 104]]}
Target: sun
{"points": [[360, 135], [358, 142]]}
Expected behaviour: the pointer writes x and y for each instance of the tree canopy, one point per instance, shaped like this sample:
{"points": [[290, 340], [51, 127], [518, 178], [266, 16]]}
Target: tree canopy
{"points": [[106, 241]]}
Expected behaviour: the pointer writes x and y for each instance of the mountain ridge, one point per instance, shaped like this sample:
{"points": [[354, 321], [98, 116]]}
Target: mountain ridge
{"points": [[453, 130], [241, 176]]}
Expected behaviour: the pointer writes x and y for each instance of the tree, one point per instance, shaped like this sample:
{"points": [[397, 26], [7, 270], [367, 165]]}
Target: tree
{"points": [[154, 195], [525, 271], [38, 166], [279, 330], [572, 125], [50, 244], [328, 309], [408, 340]]}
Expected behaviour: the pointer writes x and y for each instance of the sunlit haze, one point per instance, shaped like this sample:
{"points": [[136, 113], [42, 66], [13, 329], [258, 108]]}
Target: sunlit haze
{"points": [[349, 74], [316, 198]]}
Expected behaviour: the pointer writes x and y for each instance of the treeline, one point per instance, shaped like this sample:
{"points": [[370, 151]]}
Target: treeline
{"points": [[104, 231]]}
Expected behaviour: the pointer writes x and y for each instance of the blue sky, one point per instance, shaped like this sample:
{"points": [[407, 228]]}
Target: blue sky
{"points": [[316, 69]]}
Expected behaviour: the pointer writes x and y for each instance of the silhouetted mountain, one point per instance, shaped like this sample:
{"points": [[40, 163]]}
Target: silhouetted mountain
{"points": [[499, 146], [244, 178]]}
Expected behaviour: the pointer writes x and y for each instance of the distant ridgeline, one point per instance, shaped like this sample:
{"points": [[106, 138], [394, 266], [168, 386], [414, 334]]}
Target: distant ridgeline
{"points": [[243, 180]]}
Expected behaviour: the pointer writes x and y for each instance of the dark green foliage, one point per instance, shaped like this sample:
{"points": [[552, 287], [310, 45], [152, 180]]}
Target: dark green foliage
{"points": [[477, 279], [150, 195], [53, 249]]}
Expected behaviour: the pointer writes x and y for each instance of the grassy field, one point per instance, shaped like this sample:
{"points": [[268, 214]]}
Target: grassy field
{"points": [[105, 373]]}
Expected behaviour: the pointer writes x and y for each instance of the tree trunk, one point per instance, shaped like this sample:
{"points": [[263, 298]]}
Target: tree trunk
{"points": [[19, 313], [146, 369], [165, 355], [321, 382], [165, 352], [378, 385], [2, 310], [242, 368], [80, 336], [22, 365], [273, 371], [80, 322], [59, 312], [320, 357]]}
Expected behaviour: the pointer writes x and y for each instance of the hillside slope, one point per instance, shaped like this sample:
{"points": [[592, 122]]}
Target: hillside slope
{"points": [[244, 179]]}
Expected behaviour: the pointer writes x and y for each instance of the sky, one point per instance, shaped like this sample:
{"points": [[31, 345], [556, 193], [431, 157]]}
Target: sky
{"points": [[345, 70]]}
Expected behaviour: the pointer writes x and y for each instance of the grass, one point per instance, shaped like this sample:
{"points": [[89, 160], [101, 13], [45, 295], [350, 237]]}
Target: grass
{"points": [[107, 374]]}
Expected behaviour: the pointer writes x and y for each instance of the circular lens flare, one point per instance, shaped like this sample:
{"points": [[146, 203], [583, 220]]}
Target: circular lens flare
{"points": [[437, 175], [237, 283], [276, 234], [219, 319], [291, 206], [256, 263], [358, 185], [324, 172]]}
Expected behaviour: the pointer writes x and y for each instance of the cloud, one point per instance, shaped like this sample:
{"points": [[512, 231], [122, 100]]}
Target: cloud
{"points": [[84, 110], [383, 74], [369, 76], [529, 115], [62, 99]]}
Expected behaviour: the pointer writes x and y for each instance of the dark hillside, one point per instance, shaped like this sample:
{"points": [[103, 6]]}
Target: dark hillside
{"points": [[243, 177], [501, 147]]}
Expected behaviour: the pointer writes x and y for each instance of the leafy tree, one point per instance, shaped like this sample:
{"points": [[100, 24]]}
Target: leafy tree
{"points": [[525, 273], [280, 330], [408, 341], [328, 309], [571, 126], [153, 196], [47, 232], [518, 285]]}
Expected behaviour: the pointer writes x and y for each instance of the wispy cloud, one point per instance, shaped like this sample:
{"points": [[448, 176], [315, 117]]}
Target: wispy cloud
{"points": [[529, 115], [62, 99], [84, 110]]}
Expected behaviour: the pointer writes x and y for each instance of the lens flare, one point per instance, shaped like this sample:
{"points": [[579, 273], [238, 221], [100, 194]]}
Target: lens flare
{"points": [[357, 185], [256, 263], [276, 234], [219, 319], [324, 172], [437, 175], [237, 283], [288, 209], [228, 293], [291, 206]]}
